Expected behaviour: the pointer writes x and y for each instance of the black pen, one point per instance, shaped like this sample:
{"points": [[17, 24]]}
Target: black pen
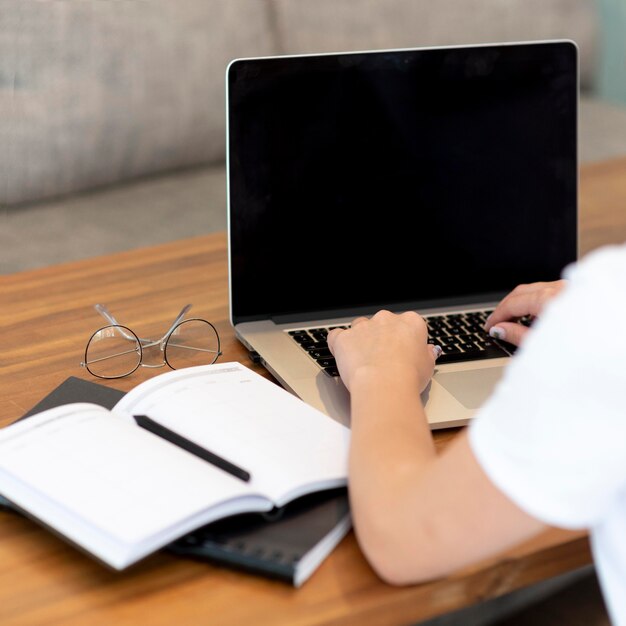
{"points": [[169, 435]]}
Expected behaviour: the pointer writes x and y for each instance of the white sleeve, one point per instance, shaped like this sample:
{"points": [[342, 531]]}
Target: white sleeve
{"points": [[553, 435]]}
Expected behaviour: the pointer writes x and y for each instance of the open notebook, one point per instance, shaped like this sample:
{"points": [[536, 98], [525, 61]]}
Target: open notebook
{"points": [[120, 492]]}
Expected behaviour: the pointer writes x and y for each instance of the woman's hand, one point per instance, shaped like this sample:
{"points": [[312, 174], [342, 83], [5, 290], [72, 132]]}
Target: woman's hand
{"points": [[387, 344], [523, 301]]}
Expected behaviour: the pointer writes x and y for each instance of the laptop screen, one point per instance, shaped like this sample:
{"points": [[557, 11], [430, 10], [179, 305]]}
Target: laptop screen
{"points": [[377, 179]]}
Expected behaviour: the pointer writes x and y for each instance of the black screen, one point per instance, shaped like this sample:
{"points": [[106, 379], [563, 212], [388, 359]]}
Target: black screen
{"points": [[385, 178]]}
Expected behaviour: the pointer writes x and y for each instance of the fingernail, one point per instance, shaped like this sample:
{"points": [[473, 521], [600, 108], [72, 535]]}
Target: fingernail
{"points": [[497, 333], [437, 349]]}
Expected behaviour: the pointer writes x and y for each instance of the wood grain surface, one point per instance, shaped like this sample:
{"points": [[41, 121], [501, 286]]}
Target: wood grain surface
{"points": [[46, 317]]}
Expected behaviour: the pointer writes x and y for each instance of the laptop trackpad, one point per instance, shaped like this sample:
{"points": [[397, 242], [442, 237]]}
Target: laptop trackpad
{"points": [[471, 387]]}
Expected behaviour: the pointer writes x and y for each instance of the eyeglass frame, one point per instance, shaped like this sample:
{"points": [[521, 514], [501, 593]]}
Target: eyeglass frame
{"points": [[147, 343]]}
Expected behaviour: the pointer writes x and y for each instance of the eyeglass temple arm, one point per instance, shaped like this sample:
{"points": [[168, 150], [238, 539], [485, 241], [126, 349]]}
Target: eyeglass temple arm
{"points": [[108, 316], [104, 311], [175, 323]]}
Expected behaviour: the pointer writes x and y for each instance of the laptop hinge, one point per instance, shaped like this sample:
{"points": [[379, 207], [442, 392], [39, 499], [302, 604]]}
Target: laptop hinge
{"points": [[418, 305]]}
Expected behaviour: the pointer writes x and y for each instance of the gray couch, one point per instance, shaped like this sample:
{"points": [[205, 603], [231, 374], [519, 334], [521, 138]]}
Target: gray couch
{"points": [[112, 124]]}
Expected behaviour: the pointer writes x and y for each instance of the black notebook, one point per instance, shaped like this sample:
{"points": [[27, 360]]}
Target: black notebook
{"points": [[287, 543]]}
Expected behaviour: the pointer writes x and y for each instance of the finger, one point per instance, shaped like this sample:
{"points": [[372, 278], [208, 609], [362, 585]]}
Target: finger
{"points": [[411, 316], [509, 331], [331, 339], [383, 314], [539, 293], [415, 321], [528, 288], [436, 351], [358, 320], [515, 306], [428, 365], [554, 285]]}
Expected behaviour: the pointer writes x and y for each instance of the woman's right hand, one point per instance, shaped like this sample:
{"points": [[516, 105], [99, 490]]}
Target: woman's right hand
{"points": [[523, 301]]}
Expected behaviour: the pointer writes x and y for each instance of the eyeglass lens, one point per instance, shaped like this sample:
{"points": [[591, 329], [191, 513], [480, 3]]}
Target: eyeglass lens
{"points": [[112, 352], [192, 342]]}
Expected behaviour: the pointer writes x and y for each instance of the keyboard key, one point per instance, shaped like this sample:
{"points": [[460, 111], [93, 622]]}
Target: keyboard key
{"points": [[435, 323], [446, 341], [509, 347], [475, 315], [472, 355], [317, 345], [320, 353], [302, 338], [464, 338], [473, 349], [331, 371], [436, 332], [454, 323], [328, 362]]}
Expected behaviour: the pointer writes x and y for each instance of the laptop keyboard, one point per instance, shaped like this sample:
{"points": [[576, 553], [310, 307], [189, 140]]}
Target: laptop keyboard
{"points": [[460, 335]]}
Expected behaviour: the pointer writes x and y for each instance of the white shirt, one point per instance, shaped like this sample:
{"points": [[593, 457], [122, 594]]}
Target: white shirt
{"points": [[553, 435]]}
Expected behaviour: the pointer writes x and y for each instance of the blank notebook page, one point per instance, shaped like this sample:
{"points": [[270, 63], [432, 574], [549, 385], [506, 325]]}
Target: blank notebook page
{"points": [[284, 443], [64, 453]]}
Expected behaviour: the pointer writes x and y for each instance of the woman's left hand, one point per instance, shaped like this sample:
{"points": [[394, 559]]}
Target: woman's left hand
{"points": [[386, 344]]}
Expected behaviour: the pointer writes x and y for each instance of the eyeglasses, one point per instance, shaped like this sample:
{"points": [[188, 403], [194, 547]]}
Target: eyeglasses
{"points": [[115, 351]]}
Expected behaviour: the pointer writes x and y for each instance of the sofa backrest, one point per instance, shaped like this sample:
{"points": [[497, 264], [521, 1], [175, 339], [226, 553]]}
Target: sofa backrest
{"points": [[93, 93], [99, 92], [332, 25]]}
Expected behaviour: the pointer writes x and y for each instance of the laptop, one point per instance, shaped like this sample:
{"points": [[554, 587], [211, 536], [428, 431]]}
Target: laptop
{"points": [[431, 179]]}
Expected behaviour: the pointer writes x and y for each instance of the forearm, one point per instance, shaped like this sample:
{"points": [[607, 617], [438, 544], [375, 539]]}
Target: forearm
{"points": [[390, 451], [419, 515]]}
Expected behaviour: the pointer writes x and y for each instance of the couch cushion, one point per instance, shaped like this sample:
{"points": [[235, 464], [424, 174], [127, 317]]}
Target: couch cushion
{"points": [[97, 92], [131, 215], [335, 25]]}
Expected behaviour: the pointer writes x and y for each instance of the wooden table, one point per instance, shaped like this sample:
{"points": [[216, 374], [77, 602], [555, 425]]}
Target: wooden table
{"points": [[47, 315]]}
